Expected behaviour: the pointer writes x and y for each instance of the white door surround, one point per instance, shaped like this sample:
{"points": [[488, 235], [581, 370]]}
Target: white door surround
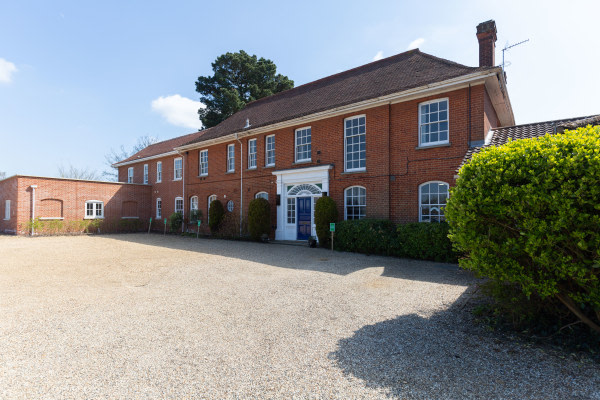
{"points": [[299, 182]]}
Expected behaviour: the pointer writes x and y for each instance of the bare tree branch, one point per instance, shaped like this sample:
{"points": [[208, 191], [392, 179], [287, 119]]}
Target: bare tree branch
{"points": [[120, 154]]}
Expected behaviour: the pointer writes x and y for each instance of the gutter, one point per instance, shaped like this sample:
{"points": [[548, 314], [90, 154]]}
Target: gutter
{"points": [[183, 189], [241, 181]]}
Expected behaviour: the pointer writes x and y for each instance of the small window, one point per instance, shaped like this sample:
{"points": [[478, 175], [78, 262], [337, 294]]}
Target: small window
{"points": [[433, 122], [194, 203], [158, 208], [251, 153], [230, 157], [7, 210], [262, 195], [94, 209], [203, 167], [145, 173], [355, 202], [179, 205], [211, 198], [159, 172], [291, 210], [130, 175], [432, 201], [303, 143], [355, 143], [230, 206], [270, 151], [178, 165]]}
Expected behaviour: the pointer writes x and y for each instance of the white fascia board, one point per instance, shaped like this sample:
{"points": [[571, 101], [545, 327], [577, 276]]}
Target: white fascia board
{"points": [[407, 95], [303, 170], [161, 155]]}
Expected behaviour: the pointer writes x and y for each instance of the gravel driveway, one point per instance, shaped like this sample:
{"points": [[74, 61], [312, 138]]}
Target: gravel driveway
{"points": [[148, 316]]}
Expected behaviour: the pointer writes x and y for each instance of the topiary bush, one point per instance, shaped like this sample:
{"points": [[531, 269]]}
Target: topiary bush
{"points": [[528, 213], [368, 236], [175, 221], [259, 218], [325, 213], [424, 241], [215, 215]]}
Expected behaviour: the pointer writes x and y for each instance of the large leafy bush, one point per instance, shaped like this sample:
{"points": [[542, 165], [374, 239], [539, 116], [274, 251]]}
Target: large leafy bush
{"points": [[325, 213], [259, 218], [175, 221], [528, 213], [368, 236], [215, 215]]}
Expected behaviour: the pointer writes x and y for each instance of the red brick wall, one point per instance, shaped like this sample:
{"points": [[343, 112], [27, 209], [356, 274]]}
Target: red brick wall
{"points": [[395, 165], [8, 191], [73, 194]]}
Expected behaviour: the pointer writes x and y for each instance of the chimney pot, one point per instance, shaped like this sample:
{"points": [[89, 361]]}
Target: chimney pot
{"points": [[486, 35]]}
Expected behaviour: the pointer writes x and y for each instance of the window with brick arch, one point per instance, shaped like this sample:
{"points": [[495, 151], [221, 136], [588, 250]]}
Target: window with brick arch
{"points": [[251, 153], [159, 172], [230, 157], [130, 175], [433, 122], [270, 151], [194, 203], [432, 201], [211, 198], [145, 173], [178, 169], [203, 167], [303, 144], [179, 205], [355, 143], [355, 203]]}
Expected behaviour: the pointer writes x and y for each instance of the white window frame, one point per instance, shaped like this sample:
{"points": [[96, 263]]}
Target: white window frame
{"points": [[145, 174], [269, 150], [203, 162], [231, 157], [94, 204], [296, 145], [130, 175], [158, 208], [210, 199], [290, 211], [346, 136], [346, 201], [262, 195], [180, 210], [252, 154], [159, 172], [421, 123], [230, 206], [194, 203], [175, 169], [442, 214], [7, 210]]}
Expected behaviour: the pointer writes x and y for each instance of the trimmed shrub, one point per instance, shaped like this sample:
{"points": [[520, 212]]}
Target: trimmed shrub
{"points": [[229, 228], [325, 213], [528, 213], [424, 241], [259, 218], [368, 236], [215, 215], [175, 221]]}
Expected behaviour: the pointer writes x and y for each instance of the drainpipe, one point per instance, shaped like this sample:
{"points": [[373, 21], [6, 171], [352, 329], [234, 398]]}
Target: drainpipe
{"points": [[183, 189], [33, 187], [241, 181]]}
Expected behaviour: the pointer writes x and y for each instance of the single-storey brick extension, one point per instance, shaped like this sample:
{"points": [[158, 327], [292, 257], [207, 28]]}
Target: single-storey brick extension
{"points": [[384, 140]]}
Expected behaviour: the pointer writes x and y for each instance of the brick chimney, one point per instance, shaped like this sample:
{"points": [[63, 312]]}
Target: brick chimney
{"points": [[486, 35]]}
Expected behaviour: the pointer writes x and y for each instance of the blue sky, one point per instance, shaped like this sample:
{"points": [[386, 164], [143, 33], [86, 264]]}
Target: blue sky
{"points": [[78, 78]]}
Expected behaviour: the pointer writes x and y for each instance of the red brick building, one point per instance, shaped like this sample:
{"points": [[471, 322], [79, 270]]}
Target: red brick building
{"points": [[383, 140]]}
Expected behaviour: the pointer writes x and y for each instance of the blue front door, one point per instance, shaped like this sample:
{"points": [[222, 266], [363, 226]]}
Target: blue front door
{"points": [[303, 204]]}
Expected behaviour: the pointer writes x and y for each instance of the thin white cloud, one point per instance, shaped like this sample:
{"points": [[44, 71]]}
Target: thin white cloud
{"points": [[378, 56], [416, 43], [178, 110], [7, 69]]}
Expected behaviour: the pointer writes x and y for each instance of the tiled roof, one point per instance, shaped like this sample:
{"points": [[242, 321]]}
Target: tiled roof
{"points": [[394, 74], [165, 146], [502, 135]]}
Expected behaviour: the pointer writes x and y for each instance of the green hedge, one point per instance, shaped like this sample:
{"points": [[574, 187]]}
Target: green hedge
{"points": [[325, 213], [422, 241]]}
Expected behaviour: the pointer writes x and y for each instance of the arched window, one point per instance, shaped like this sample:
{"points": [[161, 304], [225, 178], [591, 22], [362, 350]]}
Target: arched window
{"points": [[262, 195], [355, 202], [179, 205], [432, 201], [194, 203], [211, 198]]}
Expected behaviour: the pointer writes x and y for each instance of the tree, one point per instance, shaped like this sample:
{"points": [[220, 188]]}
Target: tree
{"points": [[527, 214], [121, 154], [238, 79], [76, 173]]}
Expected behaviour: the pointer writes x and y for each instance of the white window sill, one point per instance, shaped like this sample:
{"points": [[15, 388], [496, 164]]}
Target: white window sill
{"points": [[158, 182], [6, 219], [50, 218], [269, 166], [93, 217], [354, 171], [202, 175], [251, 169], [230, 172], [177, 179], [130, 217], [302, 162], [430, 146]]}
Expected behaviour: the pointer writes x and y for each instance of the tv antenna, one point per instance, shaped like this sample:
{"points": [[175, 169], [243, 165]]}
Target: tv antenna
{"points": [[510, 47]]}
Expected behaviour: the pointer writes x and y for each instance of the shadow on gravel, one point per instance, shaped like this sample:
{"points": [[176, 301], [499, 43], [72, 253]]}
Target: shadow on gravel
{"points": [[442, 357], [305, 258]]}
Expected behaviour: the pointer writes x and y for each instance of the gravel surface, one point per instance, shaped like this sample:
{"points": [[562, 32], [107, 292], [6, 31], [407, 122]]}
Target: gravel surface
{"points": [[148, 316]]}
